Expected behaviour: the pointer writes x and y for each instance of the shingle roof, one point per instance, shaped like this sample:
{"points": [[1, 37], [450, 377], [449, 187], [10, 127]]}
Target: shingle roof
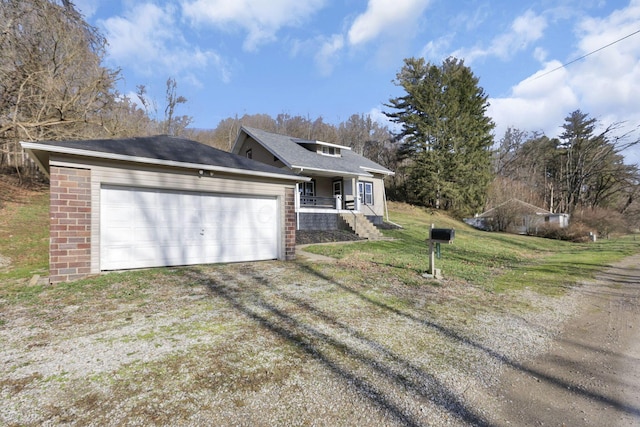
{"points": [[294, 155], [161, 148], [519, 206]]}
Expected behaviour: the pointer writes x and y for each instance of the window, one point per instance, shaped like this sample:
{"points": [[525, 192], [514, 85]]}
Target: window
{"points": [[365, 191], [330, 151], [249, 154], [337, 188], [308, 188]]}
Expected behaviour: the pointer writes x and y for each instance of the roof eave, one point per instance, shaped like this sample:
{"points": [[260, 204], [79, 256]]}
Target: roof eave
{"points": [[31, 147], [380, 171], [266, 147], [331, 171]]}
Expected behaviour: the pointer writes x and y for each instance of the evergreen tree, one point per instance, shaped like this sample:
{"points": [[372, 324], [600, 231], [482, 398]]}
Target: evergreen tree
{"points": [[594, 172], [446, 134]]}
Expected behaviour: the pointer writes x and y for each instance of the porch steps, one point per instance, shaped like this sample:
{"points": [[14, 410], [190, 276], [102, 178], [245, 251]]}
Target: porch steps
{"points": [[360, 225]]}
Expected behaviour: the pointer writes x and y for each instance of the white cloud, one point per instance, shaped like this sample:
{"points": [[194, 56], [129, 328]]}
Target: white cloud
{"points": [[377, 115], [384, 16], [437, 49], [326, 57], [537, 104], [609, 79], [605, 84], [147, 38], [524, 30], [261, 19], [87, 7]]}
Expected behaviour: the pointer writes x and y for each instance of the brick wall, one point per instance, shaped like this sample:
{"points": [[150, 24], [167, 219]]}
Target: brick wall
{"points": [[290, 224], [70, 213]]}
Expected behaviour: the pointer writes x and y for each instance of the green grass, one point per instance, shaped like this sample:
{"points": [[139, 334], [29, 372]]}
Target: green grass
{"points": [[497, 262], [567, 267], [494, 261], [25, 238]]}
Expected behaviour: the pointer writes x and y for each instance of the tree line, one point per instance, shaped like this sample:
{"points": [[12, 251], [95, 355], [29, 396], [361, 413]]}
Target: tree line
{"points": [[448, 158], [54, 86]]}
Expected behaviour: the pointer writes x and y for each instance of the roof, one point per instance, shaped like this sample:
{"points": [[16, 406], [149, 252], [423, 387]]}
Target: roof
{"points": [[291, 152], [521, 207], [158, 150]]}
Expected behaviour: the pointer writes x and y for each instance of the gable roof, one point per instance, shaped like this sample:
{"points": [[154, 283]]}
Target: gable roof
{"points": [[297, 158], [157, 150], [520, 206]]}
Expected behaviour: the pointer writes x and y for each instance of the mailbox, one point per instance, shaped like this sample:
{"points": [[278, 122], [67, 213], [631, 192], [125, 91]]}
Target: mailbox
{"points": [[442, 235]]}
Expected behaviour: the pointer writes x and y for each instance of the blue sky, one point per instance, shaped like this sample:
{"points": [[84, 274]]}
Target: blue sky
{"points": [[335, 58]]}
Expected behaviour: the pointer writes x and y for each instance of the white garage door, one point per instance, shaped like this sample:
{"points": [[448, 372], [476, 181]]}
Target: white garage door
{"points": [[153, 228]]}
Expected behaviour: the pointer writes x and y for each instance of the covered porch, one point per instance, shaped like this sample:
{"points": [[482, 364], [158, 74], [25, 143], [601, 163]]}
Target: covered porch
{"points": [[333, 193], [328, 202]]}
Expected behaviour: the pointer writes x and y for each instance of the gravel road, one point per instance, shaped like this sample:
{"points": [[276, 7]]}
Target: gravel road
{"points": [[590, 376]]}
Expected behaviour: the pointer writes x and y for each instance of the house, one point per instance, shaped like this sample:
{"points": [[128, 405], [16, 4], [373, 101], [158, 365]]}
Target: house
{"points": [[344, 188], [516, 216], [161, 201]]}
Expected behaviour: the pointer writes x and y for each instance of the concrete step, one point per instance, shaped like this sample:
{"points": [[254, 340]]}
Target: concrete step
{"points": [[360, 225]]}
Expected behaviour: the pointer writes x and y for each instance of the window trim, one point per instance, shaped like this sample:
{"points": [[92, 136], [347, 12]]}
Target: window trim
{"points": [[305, 186], [366, 198]]}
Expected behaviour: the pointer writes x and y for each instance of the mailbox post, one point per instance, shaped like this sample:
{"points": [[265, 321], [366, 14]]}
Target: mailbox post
{"points": [[437, 235]]}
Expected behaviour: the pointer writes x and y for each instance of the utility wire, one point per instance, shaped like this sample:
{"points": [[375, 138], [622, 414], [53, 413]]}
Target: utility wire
{"points": [[588, 54]]}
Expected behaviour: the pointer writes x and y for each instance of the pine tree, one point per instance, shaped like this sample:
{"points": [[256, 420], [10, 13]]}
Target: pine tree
{"points": [[594, 172], [446, 134]]}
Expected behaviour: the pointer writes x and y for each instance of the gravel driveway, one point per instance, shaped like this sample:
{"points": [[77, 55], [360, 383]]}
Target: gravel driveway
{"points": [[590, 375], [263, 344]]}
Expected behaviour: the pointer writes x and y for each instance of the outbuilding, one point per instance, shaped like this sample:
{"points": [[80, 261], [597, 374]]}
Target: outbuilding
{"points": [[161, 201]]}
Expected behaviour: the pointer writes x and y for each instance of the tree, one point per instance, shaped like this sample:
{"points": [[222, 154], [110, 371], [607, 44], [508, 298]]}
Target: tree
{"points": [[526, 167], [171, 124], [446, 134], [593, 170], [52, 83]]}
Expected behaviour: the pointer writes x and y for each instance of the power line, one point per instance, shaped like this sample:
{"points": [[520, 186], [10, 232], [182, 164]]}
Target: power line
{"points": [[588, 54]]}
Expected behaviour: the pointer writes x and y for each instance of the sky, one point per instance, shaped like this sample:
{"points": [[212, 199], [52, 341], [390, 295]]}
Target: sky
{"points": [[537, 61]]}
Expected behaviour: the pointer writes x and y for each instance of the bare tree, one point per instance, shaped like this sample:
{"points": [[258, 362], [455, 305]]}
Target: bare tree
{"points": [[52, 82], [173, 125]]}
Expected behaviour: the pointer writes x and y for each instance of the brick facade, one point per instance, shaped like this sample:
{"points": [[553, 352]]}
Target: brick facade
{"points": [[70, 213], [290, 224]]}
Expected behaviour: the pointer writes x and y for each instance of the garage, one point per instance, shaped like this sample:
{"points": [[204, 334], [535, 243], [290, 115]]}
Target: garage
{"points": [[157, 201], [152, 228]]}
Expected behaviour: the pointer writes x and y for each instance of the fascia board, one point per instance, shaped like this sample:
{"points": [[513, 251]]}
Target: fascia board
{"points": [[380, 171], [266, 147], [146, 160], [336, 172]]}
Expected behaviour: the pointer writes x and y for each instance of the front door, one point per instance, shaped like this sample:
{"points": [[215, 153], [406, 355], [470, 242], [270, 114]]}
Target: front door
{"points": [[337, 192]]}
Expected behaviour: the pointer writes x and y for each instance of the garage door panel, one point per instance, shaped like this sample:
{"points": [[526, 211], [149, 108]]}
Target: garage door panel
{"points": [[149, 227]]}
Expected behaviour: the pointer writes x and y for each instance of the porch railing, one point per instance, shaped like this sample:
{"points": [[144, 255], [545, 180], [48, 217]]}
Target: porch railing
{"points": [[334, 202], [318, 202]]}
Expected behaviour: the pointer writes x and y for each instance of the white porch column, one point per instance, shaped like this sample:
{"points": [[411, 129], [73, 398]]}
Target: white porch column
{"points": [[297, 206], [338, 201]]}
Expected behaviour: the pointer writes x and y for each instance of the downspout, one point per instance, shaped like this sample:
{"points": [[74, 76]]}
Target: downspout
{"points": [[386, 208], [384, 195]]}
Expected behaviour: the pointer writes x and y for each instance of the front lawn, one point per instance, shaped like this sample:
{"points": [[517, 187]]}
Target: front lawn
{"points": [[362, 341]]}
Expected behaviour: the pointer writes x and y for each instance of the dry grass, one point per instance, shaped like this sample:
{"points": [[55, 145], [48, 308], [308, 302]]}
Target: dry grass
{"points": [[362, 341], [252, 344]]}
